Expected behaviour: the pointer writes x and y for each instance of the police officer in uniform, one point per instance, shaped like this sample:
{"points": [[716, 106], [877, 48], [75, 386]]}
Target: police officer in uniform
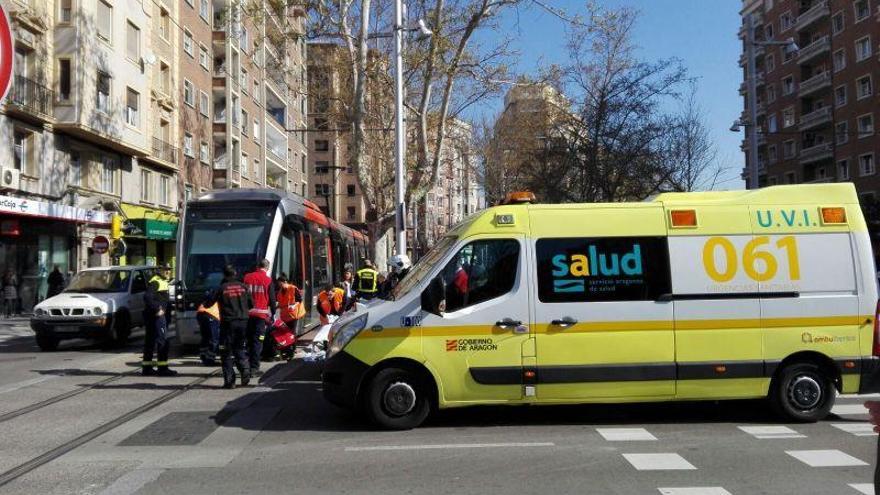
{"points": [[367, 281], [157, 312]]}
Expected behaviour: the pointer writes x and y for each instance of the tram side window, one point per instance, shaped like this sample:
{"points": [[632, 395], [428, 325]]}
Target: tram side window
{"points": [[482, 270], [285, 257], [321, 270]]}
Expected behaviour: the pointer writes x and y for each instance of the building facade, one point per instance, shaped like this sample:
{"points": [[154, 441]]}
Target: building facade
{"points": [[817, 105]]}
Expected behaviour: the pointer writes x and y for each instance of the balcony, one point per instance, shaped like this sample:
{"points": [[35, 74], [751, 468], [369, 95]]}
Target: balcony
{"points": [[163, 151], [814, 84], [31, 99], [816, 13], [816, 153], [276, 143], [815, 118], [814, 49]]}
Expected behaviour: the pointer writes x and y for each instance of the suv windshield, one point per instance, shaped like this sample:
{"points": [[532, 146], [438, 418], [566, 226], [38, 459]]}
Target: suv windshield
{"points": [[100, 281], [424, 266]]}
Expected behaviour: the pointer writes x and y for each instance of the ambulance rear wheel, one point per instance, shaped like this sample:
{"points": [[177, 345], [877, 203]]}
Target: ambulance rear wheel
{"points": [[802, 393], [396, 399]]}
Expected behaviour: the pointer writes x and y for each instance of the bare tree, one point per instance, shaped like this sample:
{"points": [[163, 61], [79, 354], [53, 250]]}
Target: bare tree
{"points": [[692, 154]]}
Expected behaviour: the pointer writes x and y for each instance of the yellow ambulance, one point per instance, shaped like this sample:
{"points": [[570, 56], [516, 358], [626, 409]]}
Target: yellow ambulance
{"points": [[711, 295]]}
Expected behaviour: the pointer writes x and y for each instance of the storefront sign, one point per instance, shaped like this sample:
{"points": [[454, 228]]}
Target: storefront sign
{"points": [[156, 229], [100, 244], [27, 207]]}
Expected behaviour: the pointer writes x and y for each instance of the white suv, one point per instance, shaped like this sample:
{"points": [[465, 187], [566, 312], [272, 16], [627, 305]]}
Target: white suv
{"points": [[100, 303]]}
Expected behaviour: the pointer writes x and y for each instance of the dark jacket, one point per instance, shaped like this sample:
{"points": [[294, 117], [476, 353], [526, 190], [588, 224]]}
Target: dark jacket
{"points": [[234, 299], [154, 298], [56, 283]]}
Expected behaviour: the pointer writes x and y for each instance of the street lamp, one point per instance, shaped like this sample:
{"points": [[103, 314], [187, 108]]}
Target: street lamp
{"points": [[752, 80]]}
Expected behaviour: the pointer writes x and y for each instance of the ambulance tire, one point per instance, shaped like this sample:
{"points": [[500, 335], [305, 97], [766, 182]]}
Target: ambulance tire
{"points": [[802, 393], [397, 399]]}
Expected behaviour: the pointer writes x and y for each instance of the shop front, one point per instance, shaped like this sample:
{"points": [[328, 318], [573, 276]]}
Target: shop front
{"points": [[37, 236], [153, 241]]}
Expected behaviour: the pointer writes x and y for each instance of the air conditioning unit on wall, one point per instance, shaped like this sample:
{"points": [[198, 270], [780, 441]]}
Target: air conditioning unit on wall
{"points": [[10, 178]]}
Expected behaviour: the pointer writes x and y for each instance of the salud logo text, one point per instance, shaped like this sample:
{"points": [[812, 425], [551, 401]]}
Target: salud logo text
{"points": [[594, 263]]}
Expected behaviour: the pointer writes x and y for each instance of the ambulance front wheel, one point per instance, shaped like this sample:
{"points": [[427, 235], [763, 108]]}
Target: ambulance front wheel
{"points": [[802, 393], [397, 399]]}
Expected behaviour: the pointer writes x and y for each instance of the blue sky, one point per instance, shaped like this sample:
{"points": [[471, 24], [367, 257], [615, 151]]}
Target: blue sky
{"points": [[702, 33]]}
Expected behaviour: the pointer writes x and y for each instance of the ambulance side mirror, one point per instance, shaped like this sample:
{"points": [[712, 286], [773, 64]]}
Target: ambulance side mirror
{"points": [[434, 296]]}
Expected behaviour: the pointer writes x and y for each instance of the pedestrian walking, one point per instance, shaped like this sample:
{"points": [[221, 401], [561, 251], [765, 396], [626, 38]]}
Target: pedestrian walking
{"points": [[208, 317], [10, 293], [56, 282], [235, 302], [367, 281], [157, 311], [262, 291]]}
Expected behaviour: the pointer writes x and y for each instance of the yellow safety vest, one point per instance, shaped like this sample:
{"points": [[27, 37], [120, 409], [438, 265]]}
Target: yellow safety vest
{"points": [[163, 284], [367, 280]]}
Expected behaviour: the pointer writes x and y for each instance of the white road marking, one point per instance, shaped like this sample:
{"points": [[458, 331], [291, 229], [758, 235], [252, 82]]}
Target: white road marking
{"points": [[658, 462], [694, 490], [132, 481], [625, 434], [849, 410], [857, 429], [26, 383], [825, 458], [771, 432], [866, 488], [450, 446], [857, 396]]}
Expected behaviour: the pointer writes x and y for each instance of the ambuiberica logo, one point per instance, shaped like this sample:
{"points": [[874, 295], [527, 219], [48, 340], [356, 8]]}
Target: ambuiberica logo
{"points": [[577, 268]]}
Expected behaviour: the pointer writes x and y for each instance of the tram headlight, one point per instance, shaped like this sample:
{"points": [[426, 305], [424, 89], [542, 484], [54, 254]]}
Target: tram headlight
{"points": [[345, 334]]}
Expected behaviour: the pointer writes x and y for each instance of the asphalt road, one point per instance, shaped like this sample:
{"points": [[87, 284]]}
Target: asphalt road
{"points": [[280, 436]]}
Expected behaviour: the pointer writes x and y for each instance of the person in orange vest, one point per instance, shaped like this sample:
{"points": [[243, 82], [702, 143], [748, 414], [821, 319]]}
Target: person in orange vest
{"points": [[331, 302], [290, 304], [208, 317]]}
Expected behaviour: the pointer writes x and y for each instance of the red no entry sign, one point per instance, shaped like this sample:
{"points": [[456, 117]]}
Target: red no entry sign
{"points": [[100, 244], [7, 54]]}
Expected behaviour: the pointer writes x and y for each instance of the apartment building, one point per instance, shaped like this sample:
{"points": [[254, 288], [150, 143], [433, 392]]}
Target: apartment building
{"points": [[258, 96], [335, 186], [817, 105]]}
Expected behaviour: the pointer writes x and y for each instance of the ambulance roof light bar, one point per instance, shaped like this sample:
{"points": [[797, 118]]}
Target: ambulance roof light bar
{"points": [[519, 197]]}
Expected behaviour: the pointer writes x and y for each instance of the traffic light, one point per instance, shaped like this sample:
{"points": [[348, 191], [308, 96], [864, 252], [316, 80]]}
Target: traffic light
{"points": [[116, 226]]}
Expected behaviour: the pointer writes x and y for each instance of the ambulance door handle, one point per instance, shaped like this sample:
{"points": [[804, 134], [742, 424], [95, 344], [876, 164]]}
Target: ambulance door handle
{"points": [[508, 323], [565, 322]]}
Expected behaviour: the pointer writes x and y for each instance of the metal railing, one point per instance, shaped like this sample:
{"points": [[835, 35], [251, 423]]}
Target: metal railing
{"points": [[814, 49], [816, 12], [815, 83], [815, 118], [164, 151], [816, 153], [32, 96]]}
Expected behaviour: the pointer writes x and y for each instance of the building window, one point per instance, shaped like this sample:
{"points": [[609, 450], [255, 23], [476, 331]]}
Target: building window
{"points": [[64, 79], [787, 85], [110, 175], [21, 150], [790, 178], [838, 22], [189, 93], [771, 153], [303, 164], [785, 21], [861, 9], [322, 190], [839, 60], [132, 105], [164, 78], [843, 170], [322, 167], [866, 125], [102, 85], [864, 87], [164, 189], [164, 24], [768, 32], [769, 63], [787, 55], [203, 56], [840, 95], [841, 131], [133, 42], [204, 104], [351, 212], [65, 11], [187, 192], [188, 145], [188, 47], [204, 10], [866, 164], [788, 117], [322, 145], [256, 130], [146, 186], [245, 118], [244, 80], [863, 48], [244, 164], [771, 93], [256, 91], [771, 123], [243, 40], [788, 149], [350, 190], [203, 152], [105, 21]]}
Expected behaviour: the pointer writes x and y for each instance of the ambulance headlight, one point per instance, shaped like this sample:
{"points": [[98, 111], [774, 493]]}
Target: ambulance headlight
{"points": [[344, 334]]}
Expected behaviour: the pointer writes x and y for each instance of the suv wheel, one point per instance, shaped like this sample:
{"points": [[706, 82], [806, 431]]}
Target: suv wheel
{"points": [[47, 341], [396, 399], [120, 331], [802, 393]]}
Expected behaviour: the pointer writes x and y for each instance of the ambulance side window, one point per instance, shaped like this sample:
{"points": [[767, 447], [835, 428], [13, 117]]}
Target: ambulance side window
{"points": [[480, 271], [603, 269]]}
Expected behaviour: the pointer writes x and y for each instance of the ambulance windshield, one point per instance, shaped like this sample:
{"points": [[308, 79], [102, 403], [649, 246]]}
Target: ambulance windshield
{"points": [[424, 266]]}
